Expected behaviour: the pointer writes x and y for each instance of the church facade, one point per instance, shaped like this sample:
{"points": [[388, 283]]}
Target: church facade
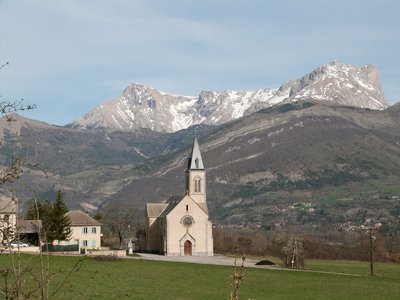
{"points": [[181, 226]]}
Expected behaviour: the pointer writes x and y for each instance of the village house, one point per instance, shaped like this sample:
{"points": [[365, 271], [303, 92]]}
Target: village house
{"points": [[8, 220], [181, 225], [85, 231]]}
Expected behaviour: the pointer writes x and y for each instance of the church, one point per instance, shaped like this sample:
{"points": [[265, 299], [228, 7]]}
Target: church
{"points": [[180, 226]]}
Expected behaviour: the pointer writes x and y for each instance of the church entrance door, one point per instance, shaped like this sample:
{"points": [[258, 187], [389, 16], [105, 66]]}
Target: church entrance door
{"points": [[187, 248]]}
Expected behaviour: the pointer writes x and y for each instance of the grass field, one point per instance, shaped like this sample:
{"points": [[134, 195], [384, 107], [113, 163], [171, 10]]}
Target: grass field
{"points": [[141, 279]]}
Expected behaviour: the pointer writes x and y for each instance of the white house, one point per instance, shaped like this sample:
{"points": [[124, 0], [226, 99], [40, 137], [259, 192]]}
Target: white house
{"points": [[8, 220], [85, 231], [181, 226]]}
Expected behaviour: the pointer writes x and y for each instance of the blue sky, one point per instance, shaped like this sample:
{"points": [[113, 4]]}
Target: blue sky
{"points": [[68, 56]]}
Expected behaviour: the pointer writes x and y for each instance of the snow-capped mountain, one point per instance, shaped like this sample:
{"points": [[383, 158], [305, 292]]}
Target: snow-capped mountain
{"points": [[340, 83], [141, 106]]}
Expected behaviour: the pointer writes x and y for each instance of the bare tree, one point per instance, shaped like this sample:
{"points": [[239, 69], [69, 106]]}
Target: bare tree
{"points": [[12, 171], [21, 280], [122, 220], [237, 276], [292, 250]]}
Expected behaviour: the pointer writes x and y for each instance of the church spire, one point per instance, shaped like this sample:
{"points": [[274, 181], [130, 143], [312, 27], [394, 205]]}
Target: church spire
{"points": [[195, 160], [196, 175]]}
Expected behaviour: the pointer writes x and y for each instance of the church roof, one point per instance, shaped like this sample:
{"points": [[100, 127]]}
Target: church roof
{"points": [[171, 202], [195, 160], [203, 206], [155, 209]]}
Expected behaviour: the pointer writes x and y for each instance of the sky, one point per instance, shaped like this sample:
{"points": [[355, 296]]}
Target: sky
{"points": [[68, 56]]}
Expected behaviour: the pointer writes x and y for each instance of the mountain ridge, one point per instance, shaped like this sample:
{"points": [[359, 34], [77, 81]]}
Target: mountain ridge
{"points": [[142, 106]]}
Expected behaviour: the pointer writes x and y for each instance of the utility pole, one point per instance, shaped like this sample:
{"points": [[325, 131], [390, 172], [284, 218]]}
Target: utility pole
{"points": [[371, 250], [297, 254]]}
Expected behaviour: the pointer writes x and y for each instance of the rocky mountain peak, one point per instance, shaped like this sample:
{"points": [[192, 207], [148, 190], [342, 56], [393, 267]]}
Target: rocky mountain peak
{"points": [[138, 91], [340, 83]]}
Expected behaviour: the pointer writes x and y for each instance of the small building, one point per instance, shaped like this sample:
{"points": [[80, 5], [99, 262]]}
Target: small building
{"points": [[8, 220], [29, 231], [181, 225], [85, 231]]}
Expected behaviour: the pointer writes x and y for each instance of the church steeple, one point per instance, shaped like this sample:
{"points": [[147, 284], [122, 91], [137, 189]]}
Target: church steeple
{"points": [[196, 175], [195, 160]]}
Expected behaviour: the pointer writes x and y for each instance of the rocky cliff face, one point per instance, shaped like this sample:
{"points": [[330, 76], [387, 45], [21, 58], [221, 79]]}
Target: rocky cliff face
{"points": [[342, 84], [142, 106]]}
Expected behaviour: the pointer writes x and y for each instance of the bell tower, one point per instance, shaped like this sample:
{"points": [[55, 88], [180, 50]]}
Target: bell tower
{"points": [[196, 175]]}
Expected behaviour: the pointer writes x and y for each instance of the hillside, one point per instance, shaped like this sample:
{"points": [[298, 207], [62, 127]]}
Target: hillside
{"points": [[306, 161], [313, 152], [90, 165]]}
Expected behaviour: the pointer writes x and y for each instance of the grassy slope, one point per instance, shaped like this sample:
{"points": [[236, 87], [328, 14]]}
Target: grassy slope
{"points": [[140, 279]]}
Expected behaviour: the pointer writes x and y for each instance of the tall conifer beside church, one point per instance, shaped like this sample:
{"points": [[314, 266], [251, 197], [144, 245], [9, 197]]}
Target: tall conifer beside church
{"points": [[181, 226]]}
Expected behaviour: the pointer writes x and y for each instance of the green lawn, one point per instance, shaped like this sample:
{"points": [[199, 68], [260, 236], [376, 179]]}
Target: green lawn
{"points": [[141, 279]]}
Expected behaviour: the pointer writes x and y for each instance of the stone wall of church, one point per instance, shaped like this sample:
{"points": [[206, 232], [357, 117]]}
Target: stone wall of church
{"points": [[153, 236], [199, 233]]}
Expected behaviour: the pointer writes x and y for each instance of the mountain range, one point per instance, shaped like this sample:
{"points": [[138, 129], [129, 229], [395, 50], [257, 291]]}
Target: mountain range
{"points": [[141, 106]]}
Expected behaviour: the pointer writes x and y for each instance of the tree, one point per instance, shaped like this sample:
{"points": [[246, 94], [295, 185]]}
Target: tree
{"points": [[292, 250], [98, 217], [59, 223], [121, 218], [55, 222], [37, 210], [237, 275]]}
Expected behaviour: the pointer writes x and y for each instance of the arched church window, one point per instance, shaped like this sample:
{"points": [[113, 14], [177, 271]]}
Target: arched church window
{"points": [[196, 161], [197, 185]]}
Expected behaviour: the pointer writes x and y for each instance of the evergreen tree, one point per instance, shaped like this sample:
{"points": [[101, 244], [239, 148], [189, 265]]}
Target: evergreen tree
{"points": [[98, 217], [59, 223]]}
